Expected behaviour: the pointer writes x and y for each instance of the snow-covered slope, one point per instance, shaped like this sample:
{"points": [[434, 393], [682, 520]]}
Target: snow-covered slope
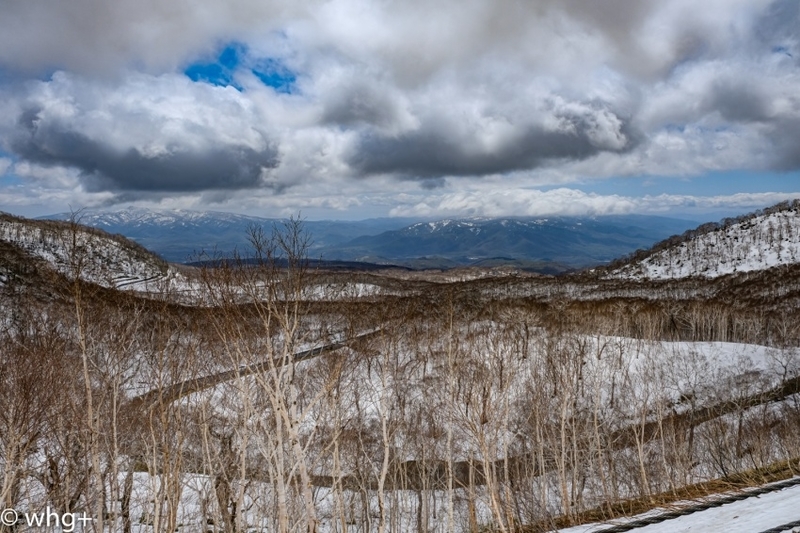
{"points": [[756, 242], [92, 255]]}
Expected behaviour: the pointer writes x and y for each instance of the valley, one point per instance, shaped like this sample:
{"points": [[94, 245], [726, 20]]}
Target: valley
{"points": [[540, 244], [269, 392]]}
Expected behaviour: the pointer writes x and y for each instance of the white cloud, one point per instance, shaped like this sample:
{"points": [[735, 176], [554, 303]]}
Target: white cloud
{"points": [[394, 98], [573, 202], [150, 113]]}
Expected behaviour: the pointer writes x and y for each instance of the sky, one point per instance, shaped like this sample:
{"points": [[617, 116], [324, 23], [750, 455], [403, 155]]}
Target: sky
{"points": [[351, 109]]}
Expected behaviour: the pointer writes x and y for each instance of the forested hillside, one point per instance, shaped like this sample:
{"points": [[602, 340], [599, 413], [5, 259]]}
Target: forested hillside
{"points": [[758, 241], [284, 398], [80, 251]]}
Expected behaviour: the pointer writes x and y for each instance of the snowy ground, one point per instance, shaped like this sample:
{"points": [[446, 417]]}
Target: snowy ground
{"points": [[752, 515], [105, 260]]}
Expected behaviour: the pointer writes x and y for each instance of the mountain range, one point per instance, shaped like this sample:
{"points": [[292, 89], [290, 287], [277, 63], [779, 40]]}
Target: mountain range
{"points": [[755, 242], [183, 235], [550, 245]]}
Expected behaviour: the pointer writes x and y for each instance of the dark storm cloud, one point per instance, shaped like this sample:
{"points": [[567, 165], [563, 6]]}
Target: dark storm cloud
{"points": [[103, 167], [785, 138], [779, 28], [428, 153], [359, 104], [431, 151], [738, 102]]}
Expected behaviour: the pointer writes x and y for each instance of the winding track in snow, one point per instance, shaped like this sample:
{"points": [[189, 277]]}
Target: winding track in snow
{"points": [[416, 475], [166, 395]]}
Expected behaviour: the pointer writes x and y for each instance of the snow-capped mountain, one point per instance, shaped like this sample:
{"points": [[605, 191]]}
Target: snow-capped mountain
{"points": [[92, 255], [139, 217], [547, 244], [758, 241], [565, 241]]}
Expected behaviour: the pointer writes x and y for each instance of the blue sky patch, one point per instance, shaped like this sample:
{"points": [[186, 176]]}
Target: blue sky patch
{"points": [[781, 50], [10, 180], [221, 72], [273, 73], [711, 184]]}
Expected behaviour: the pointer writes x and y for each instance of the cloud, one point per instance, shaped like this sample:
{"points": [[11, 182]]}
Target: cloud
{"points": [[152, 134], [573, 202], [355, 102], [739, 101], [100, 38], [778, 29], [373, 98], [411, 40], [492, 144], [104, 168], [785, 139]]}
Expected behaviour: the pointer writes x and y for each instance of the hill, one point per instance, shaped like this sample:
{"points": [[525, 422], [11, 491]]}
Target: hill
{"points": [[74, 250], [753, 242], [342, 392]]}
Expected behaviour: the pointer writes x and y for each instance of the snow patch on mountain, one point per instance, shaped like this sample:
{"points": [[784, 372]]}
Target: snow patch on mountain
{"points": [[133, 216], [475, 224]]}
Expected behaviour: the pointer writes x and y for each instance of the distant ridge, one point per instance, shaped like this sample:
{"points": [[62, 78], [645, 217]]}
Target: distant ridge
{"points": [[311, 263], [184, 235], [539, 244], [544, 244]]}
